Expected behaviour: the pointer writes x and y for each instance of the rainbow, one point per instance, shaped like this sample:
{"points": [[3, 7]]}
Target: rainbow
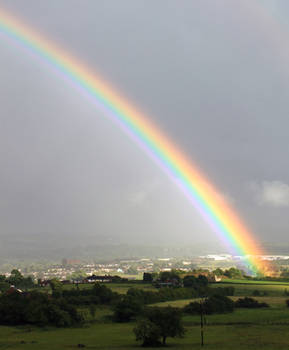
{"points": [[195, 185]]}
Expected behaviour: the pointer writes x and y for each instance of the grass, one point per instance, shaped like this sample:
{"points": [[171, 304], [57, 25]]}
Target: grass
{"points": [[120, 337], [271, 301], [246, 289], [116, 287], [256, 329], [242, 281]]}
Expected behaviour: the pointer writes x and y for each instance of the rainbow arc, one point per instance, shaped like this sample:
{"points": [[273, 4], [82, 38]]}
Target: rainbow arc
{"points": [[194, 184]]}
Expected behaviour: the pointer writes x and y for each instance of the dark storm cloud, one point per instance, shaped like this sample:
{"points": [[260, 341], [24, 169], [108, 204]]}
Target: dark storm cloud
{"points": [[203, 70]]}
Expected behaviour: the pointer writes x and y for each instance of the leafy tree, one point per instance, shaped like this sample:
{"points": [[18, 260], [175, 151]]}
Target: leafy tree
{"points": [[56, 287], [127, 309], [92, 310], [169, 275], [2, 278], [15, 278], [190, 281], [147, 332], [36, 308], [202, 280], [234, 273], [27, 283], [168, 320], [218, 272], [105, 294], [149, 277]]}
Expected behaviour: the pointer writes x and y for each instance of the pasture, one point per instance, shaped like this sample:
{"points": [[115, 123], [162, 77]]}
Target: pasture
{"points": [[114, 336], [115, 287], [266, 329]]}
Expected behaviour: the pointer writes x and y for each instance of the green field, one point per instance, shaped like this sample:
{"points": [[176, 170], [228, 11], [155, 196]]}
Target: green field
{"points": [[244, 329], [246, 289], [116, 287], [120, 336]]}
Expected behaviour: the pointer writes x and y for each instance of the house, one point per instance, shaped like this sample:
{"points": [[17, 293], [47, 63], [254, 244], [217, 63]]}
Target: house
{"points": [[13, 289], [94, 278]]}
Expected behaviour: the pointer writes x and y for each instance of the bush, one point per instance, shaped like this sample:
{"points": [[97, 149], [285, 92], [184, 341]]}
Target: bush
{"points": [[127, 309], [98, 294], [218, 304], [215, 304], [249, 303], [36, 308]]}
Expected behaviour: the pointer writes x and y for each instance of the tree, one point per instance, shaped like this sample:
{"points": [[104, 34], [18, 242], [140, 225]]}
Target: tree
{"points": [[127, 308], [15, 278], [36, 308], [218, 272], [169, 276], [234, 273], [147, 332], [149, 277], [190, 282], [202, 280], [56, 287], [105, 294], [2, 278], [168, 320], [92, 310]]}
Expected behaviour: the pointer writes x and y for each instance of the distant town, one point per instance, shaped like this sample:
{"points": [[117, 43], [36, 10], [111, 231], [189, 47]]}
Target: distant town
{"points": [[76, 270]]}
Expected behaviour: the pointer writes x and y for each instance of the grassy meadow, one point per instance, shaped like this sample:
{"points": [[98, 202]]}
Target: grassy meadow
{"points": [[266, 328]]}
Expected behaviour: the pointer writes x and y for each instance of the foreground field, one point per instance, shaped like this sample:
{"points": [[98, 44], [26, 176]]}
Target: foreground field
{"points": [[120, 336], [266, 329]]}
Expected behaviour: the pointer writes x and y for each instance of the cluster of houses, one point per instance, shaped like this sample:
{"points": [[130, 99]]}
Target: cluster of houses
{"points": [[88, 279]]}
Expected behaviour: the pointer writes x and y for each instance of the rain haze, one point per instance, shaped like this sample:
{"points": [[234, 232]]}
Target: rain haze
{"points": [[213, 75]]}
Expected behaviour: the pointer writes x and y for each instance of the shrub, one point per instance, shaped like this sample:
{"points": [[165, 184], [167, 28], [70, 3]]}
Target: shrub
{"points": [[127, 309], [215, 304], [249, 303], [36, 308]]}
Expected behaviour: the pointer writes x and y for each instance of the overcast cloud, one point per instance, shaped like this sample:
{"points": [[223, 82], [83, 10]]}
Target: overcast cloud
{"points": [[211, 74], [272, 193]]}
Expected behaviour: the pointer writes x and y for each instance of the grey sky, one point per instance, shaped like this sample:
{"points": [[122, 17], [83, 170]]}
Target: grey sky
{"points": [[206, 72]]}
